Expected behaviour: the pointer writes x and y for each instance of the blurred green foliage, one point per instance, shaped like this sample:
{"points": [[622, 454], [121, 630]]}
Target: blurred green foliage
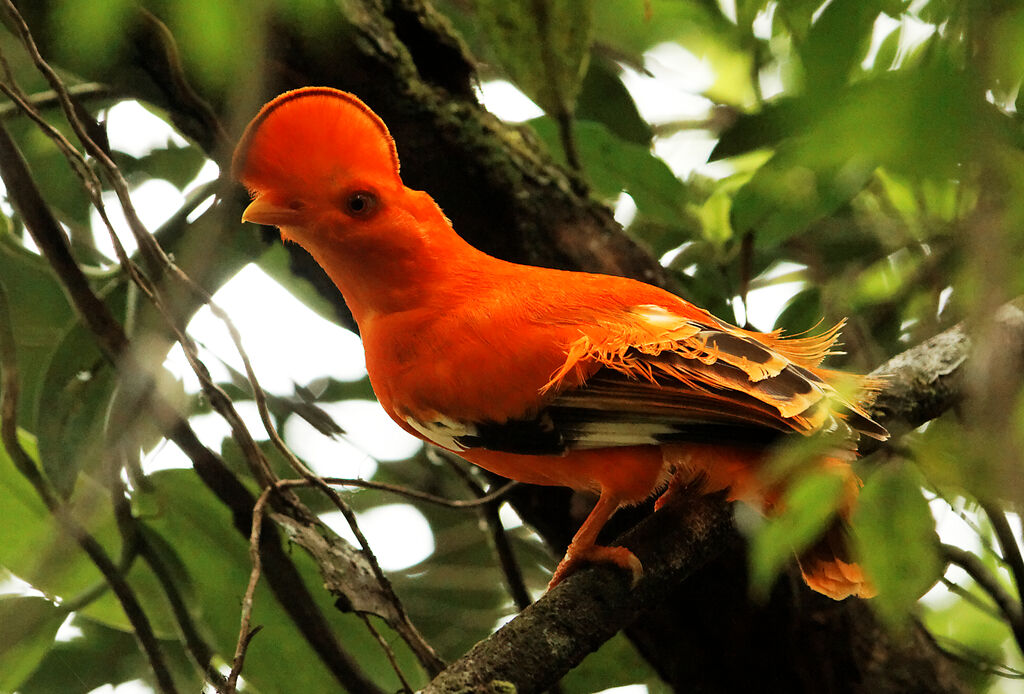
{"points": [[866, 156]]}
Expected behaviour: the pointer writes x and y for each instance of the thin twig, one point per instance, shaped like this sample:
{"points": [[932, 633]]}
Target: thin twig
{"points": [[972, 599], [510, 568], [1007, 543], [1010, 608], [424, 651], [388, 652], [483, 500], [245, 634], [971, 658], [135, 540], [50, 98]]}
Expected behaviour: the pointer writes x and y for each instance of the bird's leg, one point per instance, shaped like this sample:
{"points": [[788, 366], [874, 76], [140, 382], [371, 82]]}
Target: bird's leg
{"points": [[582, 548]]}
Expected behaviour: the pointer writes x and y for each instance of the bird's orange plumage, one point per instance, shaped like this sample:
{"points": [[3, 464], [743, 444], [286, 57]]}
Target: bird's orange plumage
{"points": [[548, 377]]}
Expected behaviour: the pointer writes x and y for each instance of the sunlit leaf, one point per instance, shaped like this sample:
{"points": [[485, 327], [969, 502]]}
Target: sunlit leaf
{"points": [[632, 27], [790, 192], [885, 279], [29, 626], [34, 547], [836, 43]]}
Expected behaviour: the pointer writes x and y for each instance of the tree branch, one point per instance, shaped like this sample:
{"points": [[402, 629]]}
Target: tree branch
{"points": [[925, 381], [534, 650], [1011, 554], [988, 582]]}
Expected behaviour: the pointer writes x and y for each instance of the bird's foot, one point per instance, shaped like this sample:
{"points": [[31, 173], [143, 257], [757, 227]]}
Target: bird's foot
{"points": [[620, 556]]}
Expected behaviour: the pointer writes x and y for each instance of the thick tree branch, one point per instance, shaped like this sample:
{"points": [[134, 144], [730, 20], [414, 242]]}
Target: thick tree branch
{"points": [[927, 380], [534, 650]]}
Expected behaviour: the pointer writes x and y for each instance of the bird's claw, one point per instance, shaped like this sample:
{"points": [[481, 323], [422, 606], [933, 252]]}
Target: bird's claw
{"points": [[620, 556]]}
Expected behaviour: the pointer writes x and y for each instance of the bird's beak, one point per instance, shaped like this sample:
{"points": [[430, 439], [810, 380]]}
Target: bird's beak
{"points": [[262, 211]]}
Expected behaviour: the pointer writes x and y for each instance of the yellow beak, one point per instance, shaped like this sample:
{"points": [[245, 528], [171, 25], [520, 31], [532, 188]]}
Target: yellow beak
{"points": [[262, 211]]}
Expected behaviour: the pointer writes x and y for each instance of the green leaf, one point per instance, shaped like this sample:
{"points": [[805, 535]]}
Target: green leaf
{"points": [[836, 43], [888, 51], [200, 529], [73, 403], [896, 532], [604, 99], [808, 505], [29, 626], [615, 664], [802, 311], [543, 45], [634, 26], [613, 165], [39, 316], [713, 216], [91, 30], [178, 165], [631, 27], [797, 15], [885, 279], [103, 656], [34, 547], [767, 127], [791, 191], [213, 39]]}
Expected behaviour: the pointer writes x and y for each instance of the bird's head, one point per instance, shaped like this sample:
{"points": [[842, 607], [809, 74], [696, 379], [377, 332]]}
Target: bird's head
{"points": [[319, 163], [322, 167]]}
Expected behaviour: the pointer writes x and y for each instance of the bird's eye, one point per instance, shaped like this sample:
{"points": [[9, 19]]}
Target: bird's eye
{"points": [[361, 203]]}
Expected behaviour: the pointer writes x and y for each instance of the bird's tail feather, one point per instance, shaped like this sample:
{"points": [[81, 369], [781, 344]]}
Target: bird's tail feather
{"points": [[828, 566]]}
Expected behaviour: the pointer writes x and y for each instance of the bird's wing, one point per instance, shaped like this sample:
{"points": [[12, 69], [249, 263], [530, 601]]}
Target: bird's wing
{"points": [[650, 375]]}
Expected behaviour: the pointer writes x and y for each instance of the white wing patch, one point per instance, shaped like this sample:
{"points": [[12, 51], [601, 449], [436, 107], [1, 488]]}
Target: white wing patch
{"points": [[443, 431], [611, 434]]}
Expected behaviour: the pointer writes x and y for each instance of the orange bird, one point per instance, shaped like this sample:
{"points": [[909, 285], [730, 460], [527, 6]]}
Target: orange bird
{"points": [[549, 377]]}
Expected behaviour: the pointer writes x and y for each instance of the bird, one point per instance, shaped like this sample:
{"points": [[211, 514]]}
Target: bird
{"points": [[598, 383]]}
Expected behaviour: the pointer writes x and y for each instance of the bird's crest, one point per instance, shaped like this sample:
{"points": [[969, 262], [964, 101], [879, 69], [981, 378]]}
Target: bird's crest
{"points": [[307, 134]]}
